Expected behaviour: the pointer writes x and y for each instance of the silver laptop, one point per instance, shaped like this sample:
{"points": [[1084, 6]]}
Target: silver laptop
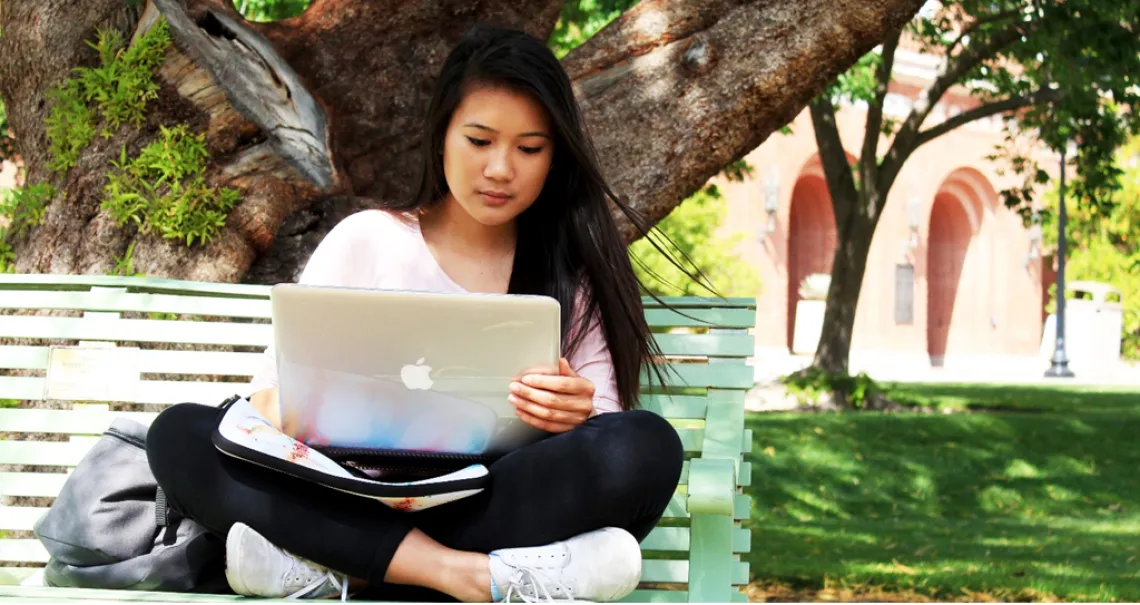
{"points": [[408, 371]]}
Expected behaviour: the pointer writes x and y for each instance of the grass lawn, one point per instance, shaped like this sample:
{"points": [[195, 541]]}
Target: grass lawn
{"points": [[1037, 500]]}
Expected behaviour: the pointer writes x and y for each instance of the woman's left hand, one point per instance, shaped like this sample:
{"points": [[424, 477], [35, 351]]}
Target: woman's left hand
{"points": [[553, 402]]}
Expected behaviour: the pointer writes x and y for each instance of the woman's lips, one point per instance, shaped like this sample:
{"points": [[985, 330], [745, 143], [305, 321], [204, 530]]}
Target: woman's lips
{"points": [[494, 198]]}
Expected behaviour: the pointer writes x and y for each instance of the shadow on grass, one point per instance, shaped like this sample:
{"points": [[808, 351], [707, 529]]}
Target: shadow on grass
{"points": [[941, 503], [1027, 398]]}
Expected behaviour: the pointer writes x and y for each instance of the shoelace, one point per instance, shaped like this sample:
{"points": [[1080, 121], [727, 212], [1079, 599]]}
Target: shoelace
{"points": [[338, 582], [529, 576]]}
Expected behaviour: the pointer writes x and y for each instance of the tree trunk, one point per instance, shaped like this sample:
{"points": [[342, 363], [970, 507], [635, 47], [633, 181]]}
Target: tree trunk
{"points": [[317, 116], [847, 272]]}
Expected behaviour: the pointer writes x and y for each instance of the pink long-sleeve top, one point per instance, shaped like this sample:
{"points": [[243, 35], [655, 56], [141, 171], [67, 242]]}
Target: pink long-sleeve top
{"points": [[379, 249]]}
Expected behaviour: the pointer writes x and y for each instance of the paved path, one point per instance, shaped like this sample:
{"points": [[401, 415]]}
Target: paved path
{"points": [[770, 365]]}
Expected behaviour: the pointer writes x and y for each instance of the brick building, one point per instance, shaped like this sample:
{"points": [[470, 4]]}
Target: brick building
{"points": [[953, 279]]}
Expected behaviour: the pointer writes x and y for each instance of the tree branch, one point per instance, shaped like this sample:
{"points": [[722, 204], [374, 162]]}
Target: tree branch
{"points": [[978, 24], [709, 80], [836, 169], [868, 161], [953, 71], [982, 111]]}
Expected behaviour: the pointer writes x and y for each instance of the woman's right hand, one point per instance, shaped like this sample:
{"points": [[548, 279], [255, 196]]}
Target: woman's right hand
{"points": [[265, 401]]}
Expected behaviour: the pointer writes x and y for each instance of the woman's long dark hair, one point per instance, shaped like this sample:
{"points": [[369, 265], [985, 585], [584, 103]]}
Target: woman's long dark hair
{"points": [[568, 237]]}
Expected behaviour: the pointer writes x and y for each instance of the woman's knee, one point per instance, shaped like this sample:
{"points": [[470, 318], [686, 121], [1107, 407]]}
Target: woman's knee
{"points": [[642, 452], [177, 437]]}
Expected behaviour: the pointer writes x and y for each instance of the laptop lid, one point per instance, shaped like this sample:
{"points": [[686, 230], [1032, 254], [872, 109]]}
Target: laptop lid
{"points": [[408, 370]]}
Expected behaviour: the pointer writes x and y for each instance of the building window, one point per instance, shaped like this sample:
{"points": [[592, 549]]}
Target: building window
{"points": [[904, 294]]}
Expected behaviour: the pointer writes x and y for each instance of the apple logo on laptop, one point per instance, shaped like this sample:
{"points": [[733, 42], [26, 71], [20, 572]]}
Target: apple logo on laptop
{"points": [[416, 377]]}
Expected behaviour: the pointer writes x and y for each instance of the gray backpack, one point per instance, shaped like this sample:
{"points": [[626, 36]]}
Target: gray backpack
{"points": [[110, 527]]}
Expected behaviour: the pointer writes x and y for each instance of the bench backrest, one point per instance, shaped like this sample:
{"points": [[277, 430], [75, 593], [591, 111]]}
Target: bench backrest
{"points": [[166, 341]]}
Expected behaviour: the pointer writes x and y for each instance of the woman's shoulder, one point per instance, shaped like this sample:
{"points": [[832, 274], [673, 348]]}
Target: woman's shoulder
{"points": [[376, 224], [369, 232], [361, 248]]}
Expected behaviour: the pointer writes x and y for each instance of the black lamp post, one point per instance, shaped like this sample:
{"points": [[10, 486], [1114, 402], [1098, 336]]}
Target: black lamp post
{"points": [[1059, 366]]}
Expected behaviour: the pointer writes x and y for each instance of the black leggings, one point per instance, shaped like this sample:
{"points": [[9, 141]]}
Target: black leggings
{"points": [[615, 470]]}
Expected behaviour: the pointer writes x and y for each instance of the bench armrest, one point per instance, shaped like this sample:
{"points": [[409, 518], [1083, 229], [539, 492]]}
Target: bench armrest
{"points": [[712, 486]]}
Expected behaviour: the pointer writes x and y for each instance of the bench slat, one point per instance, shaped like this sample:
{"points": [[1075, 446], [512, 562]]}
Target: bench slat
{"points": [[43, 453], [13, 575], [19, 518], [700, 318], [149, 391], [30, 550], [676, 406], [678, 571], [124, 302], [10, 578], [71, 422], [151, 361], [699, 302], [657, 596], [59, 453], [47, 485], [14, 357], [24, 550], [677, 539], [45, 594], [41, 485], [136, 330], [739, 344], [703, 375], [57, 281]]}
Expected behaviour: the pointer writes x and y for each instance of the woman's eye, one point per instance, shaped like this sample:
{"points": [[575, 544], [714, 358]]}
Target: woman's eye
{"points": [[479, 142], [530, 150]]}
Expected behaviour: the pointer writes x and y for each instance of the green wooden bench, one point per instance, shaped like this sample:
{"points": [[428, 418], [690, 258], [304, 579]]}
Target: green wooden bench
{"points": [[53, 326]]}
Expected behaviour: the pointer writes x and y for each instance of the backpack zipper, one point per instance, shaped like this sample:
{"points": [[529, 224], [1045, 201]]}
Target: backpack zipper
{"points": [[413, 456], [125, 438]]}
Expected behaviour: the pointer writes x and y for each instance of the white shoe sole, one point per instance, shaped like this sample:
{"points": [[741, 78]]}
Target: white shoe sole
{"points": [[234, 540]]}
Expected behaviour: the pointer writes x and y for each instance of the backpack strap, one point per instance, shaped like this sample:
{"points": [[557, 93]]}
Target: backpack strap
{"points": [[161, 509]]}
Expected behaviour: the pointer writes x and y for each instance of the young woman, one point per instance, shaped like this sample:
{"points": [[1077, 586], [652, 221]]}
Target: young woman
{"points": [[511, 201]]}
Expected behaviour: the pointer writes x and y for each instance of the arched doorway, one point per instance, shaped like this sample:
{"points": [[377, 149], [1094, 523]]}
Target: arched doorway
{"points": [[947, 243], [811, 239]]}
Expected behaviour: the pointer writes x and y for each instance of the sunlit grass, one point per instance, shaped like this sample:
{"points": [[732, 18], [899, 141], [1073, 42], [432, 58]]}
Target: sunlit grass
{"points": [[1042, 498]]}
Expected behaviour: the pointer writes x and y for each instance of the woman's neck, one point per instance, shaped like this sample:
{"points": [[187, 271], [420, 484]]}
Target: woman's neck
{"points": [[447, 225]]}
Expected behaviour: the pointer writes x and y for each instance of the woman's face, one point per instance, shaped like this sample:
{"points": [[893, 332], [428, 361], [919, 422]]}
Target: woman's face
{"points": [[497, 153]]}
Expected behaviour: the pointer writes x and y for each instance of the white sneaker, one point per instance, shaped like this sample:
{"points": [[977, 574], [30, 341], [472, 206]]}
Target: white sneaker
{"points": [[602, 565], [257, 568]]}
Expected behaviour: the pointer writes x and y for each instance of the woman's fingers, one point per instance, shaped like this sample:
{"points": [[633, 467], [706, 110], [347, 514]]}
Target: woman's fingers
{"points": [[539, 423], [570, 385], [546, 412]]}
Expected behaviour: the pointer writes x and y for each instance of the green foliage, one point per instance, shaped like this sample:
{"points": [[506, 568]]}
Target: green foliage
{"points": [[691, 228], [163, 189], [810, 383], [117, 91], [270, 10], [581, 19], [738, 171], [7, 255], [1082, 52], [1104, 240], [25, 207], [125, 265], [21, 209], [70, 125], [859, 82], [7, 151]]}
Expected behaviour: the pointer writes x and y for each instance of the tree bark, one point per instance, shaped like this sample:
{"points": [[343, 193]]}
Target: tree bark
{"points": [[857, 209], [847, 271], [318, 116]]}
